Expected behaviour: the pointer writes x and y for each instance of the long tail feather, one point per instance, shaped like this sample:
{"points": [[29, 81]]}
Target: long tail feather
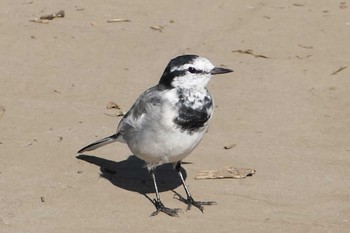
{"points": [[99, 143]]}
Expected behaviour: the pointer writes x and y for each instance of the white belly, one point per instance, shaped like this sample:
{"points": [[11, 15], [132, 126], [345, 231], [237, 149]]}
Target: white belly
{"points": [[164, 146]]}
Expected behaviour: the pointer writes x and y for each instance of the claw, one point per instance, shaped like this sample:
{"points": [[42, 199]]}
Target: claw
{"points": [[191, 202], [161, 208]]}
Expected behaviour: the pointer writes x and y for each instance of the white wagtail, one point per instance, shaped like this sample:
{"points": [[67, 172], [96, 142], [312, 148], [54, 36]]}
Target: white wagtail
{"points": [[168, 120]]}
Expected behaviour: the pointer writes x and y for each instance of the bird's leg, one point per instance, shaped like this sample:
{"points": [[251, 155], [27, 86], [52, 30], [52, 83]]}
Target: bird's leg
{"points": [[190, 201], [158, 204]]}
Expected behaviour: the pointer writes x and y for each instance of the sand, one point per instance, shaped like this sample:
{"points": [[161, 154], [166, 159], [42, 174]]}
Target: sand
{"points": [[286, 108]]}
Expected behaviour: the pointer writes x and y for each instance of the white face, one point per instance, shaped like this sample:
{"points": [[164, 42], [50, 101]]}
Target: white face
{"points": [[197, 74]]}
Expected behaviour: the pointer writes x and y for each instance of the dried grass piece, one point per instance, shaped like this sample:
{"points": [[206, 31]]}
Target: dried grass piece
{"points": [[305, 57], [39, 21], [118, 20], [249, 52], [225, 173], [298, 4], [339, 69], [157, 28], [306, 46]]}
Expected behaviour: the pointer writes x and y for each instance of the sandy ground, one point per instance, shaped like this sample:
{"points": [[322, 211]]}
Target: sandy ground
{"points": [[286, 108]]}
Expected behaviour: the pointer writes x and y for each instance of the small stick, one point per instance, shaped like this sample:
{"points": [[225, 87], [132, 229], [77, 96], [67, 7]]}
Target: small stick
{"points": [[339, 69]]}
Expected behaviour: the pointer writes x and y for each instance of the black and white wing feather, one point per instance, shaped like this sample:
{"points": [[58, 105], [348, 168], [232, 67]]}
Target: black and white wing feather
{"points": [[145, 108], [134, 120]]}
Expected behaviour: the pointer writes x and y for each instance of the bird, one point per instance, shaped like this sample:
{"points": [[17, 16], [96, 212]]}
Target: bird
{"points": [[167, 122]]}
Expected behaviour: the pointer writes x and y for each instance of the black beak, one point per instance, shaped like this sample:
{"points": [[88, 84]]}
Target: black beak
{"points": [[219, 70]]}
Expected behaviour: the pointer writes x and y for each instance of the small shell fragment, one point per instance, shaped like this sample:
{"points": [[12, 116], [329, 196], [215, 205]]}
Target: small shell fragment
{"points": [[113, 105]]}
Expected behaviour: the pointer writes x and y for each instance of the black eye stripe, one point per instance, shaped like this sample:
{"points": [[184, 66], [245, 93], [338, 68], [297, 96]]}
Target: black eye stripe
{"points": [[192, 70]]}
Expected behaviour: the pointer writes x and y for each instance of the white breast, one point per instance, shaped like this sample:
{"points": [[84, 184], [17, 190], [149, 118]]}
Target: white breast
{"points": [[157, 140]]}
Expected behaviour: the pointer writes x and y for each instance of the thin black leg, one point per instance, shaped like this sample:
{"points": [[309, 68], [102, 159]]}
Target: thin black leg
{"points": [[158, 204], [189, 201]]}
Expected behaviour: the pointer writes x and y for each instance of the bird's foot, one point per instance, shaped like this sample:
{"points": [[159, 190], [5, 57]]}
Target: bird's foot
{"points": [[161, 208], [191, 202]]}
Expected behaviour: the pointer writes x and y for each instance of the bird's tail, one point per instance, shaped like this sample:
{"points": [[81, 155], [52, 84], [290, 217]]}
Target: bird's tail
{"points": [[99, 143]]}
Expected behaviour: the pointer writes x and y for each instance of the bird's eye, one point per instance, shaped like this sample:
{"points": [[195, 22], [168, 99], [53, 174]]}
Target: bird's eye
{"points": [[192, 70]]}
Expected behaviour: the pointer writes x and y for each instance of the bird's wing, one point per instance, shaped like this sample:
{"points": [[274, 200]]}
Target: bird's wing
{"points": [[145, 107]]}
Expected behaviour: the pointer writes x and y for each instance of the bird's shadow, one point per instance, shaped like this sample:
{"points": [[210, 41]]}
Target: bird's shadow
{"points": [[131, 174]]}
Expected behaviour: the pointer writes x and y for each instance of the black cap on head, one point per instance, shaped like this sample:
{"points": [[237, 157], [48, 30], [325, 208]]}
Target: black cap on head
{"points": [[179, 61]]}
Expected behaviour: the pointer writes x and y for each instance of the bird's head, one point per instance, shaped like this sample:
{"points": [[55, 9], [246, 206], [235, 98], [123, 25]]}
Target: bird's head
{"points": [[189, 71]]}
